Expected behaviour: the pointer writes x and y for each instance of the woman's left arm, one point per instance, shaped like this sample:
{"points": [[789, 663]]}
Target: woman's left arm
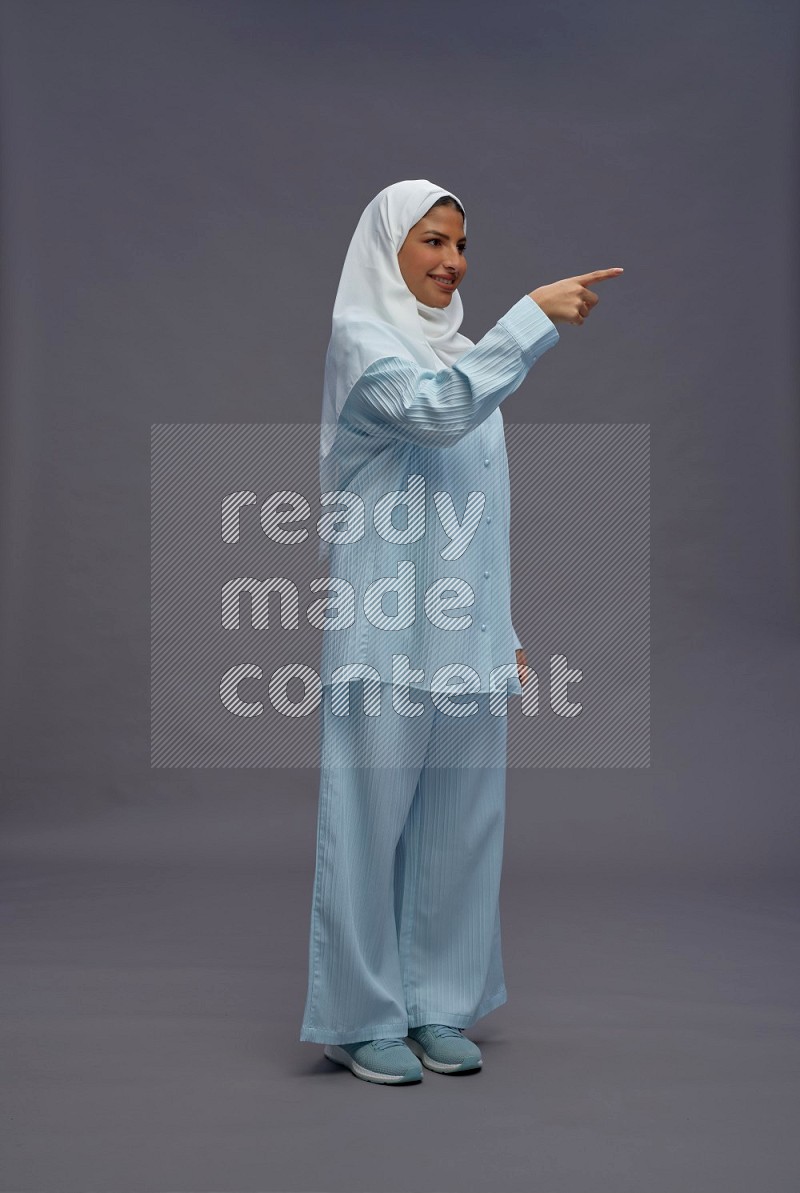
{"points": [[396, 398]]}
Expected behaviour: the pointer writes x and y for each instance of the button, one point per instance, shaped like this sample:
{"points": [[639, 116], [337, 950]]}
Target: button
{"points": [[486, 575], [486, 461], [488, 517], [483, 625]]}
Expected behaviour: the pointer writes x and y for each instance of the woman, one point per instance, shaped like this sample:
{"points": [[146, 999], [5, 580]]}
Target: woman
{"points": [[404, 949]]}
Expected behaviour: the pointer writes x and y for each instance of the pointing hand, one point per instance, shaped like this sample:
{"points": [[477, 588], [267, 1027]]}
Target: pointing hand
{"points": [[570, 300]]}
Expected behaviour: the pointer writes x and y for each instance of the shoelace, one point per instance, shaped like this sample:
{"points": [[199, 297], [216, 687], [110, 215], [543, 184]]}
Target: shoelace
{"points": [[441, 1029], [438, 1029]]}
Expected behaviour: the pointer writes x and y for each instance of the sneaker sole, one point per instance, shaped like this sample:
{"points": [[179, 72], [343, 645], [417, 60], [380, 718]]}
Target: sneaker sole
{"points": [[341, 1056], [437, 1066]]}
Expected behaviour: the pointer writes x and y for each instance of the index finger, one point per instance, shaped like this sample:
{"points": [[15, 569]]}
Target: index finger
{"points": [[599, 275]]}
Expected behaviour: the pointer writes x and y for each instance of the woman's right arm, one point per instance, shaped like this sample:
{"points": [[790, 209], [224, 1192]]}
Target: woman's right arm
{"points": [[396, 398]]}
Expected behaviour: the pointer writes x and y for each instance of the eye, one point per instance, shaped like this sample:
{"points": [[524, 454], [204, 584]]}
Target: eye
{"points": [[462, 248]]}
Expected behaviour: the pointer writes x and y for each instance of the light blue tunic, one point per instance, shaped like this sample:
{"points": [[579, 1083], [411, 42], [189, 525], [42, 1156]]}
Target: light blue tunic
{"points": [[403, 421]]}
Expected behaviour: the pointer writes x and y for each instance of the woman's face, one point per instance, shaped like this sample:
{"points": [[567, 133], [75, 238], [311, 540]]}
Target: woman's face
{"points": [[432, 259]]}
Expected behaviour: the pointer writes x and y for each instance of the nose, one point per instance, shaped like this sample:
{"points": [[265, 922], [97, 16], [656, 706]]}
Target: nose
{"points": [[451, 261]]}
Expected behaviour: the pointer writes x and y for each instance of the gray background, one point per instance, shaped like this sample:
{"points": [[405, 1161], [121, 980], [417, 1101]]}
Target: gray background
{"points": [[179, 184]]}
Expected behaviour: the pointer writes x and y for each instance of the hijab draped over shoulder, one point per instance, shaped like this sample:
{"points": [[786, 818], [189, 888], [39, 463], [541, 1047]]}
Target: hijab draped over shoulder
{"points": [[375, 315]]}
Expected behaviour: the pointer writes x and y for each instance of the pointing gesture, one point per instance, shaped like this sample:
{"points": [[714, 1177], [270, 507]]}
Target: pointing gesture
{"points": [[570, 300]]}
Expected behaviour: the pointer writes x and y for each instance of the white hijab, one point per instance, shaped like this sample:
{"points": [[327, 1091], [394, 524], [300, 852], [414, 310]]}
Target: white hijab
{"points": [[375, 314]]}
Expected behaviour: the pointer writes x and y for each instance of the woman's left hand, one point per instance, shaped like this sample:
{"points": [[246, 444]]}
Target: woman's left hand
{"points": [[522, 664]]}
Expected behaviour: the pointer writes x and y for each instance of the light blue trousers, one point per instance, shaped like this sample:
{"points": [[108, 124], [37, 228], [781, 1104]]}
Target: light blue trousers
{"points": [[405, 917]]}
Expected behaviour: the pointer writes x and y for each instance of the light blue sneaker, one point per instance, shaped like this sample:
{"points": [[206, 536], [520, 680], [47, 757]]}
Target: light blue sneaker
{"points": [[444, 1049], [387, 1062]]}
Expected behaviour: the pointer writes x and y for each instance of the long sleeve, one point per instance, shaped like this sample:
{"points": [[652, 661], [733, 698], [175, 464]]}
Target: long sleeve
{"points": [[396, 398], [517, 643]]}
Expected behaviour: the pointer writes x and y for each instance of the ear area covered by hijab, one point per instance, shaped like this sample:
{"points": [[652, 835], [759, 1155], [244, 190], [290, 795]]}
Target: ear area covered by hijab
{"points": [[375, 315]]}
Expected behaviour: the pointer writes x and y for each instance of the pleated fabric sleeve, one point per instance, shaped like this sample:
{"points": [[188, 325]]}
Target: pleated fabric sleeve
{"points": [[396, 398]]}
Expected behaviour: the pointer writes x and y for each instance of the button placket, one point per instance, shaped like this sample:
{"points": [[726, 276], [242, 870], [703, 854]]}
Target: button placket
{"points": [[489, 538]]}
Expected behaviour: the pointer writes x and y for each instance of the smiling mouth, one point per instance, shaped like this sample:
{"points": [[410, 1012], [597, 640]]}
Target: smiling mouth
{"points": [[445, 282]]}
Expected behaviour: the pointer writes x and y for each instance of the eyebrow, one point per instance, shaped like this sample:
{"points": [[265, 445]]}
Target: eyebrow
{"points": [[444, 236]]}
